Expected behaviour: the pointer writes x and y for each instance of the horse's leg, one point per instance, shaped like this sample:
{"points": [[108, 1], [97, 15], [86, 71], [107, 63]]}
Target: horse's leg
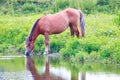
{"points": [[71, 30], [47, 46], [75, 28], [77, 33]]}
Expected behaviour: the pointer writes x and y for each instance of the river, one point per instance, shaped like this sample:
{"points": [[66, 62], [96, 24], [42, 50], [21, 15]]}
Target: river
{"points": [[52, 67]]}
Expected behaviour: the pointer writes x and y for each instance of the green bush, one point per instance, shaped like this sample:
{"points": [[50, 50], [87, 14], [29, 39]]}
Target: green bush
{"points": [[94, 56], [29, 8], [39, 44], [114, 4], [71, 47], [74, 45], [66, 52], [111, 50], [59, 5], [116, 57], [103, 8], [91, 47], [116, 50], [80, 56], [102, 2], [106, 52], [117, 19], [88, 6], [56, 45], [18, 7]]}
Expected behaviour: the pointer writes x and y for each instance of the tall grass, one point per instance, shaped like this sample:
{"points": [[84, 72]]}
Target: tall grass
{"points": [[20, 7]]}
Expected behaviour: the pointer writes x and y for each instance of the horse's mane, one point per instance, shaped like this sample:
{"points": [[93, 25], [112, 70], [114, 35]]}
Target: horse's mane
{"points": [[33, 28]]}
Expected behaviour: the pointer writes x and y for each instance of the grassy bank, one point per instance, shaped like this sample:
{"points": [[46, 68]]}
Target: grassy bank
{"points": [[102, 40]]}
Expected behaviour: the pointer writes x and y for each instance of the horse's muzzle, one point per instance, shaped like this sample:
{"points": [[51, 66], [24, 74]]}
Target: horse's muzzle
{"points": [[27, 53]]}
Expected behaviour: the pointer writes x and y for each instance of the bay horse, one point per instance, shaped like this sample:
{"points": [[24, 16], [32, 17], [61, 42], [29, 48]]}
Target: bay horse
{"points": [[55, 24]]}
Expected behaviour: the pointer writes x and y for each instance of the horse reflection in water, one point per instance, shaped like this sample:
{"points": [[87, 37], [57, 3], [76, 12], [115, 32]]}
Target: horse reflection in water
{"points": [[55, 24], [30, 65]]}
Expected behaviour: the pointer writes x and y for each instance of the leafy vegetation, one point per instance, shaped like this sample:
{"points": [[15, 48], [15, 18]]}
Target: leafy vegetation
{"points": [[21, 7], [102, 40]]}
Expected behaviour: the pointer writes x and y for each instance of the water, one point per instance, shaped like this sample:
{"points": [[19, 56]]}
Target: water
{"points": [[54, 68]]}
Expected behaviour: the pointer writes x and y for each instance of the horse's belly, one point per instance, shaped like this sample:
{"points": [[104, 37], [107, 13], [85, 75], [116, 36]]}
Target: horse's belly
{"points": [[58, 28]]}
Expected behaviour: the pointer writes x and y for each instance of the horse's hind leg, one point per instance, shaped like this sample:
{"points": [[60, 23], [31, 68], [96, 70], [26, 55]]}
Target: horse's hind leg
{"points": [[75, 28], [77, 33], [71, 29], [47, 46]]}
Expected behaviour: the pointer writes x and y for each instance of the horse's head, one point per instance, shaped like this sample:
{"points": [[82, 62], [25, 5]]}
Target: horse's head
{"points": [[29, 45]]}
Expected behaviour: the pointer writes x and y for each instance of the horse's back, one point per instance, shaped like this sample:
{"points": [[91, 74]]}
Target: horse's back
{"points": [[62, 16], [72, 14], [57, 23]]}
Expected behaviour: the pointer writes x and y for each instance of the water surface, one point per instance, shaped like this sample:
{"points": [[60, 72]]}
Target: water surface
{"points": [[54, 68]]}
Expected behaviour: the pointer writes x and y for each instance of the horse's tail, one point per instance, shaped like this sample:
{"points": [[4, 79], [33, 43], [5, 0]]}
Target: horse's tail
{"points": [[82, 24]]}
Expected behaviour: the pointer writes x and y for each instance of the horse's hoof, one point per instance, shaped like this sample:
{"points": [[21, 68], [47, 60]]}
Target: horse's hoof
{"points": [[49, 52], [45, 53], [27, 53]]}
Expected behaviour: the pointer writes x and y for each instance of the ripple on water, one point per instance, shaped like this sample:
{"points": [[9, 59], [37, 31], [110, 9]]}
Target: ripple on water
{"points": [[21, 75]]}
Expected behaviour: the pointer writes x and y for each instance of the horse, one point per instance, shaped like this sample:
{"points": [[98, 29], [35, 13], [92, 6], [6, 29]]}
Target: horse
{"points": [[56, 24]]}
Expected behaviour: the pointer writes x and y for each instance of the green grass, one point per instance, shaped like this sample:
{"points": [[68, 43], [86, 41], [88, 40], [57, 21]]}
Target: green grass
{"points": [[14, 30], [101, 42]]}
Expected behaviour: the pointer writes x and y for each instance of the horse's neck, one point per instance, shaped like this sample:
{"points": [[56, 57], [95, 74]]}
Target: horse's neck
{"points": [[34, 35]]}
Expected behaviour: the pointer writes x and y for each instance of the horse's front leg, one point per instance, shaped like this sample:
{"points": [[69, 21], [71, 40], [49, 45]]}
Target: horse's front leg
{"points": [[47, 45]]}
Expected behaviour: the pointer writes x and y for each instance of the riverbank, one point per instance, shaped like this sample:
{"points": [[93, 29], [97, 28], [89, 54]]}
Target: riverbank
{"points": [[102, 39]]}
